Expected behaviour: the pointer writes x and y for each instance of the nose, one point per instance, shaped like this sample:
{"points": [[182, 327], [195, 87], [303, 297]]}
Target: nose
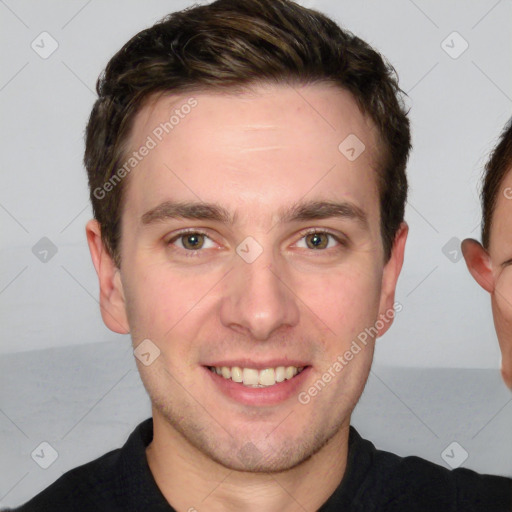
{"points": [[258, 300]]}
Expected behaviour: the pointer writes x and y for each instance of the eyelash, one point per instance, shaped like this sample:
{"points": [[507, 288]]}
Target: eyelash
{"points": [[188, 253], [310, 231]]}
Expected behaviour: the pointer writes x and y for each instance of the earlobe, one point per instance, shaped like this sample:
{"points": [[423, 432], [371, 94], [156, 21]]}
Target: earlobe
{"points": [[390, 278], [507, 376], [478, 263], [112, 301]]}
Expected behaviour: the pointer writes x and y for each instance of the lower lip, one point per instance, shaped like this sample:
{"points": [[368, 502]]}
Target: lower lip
{"points": [[269, 395]]}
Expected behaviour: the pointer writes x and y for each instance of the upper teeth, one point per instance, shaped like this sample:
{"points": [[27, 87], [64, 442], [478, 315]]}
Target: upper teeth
{"points": [[254, 378]]}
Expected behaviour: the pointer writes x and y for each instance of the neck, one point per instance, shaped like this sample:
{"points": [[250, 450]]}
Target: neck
{"points": [[191, 481]]}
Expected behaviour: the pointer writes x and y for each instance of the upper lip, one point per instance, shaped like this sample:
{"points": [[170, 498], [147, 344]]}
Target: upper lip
{"points": [[258, 365]]}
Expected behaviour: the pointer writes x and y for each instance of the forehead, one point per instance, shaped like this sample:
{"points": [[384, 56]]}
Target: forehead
{"points": [[256, 150]]}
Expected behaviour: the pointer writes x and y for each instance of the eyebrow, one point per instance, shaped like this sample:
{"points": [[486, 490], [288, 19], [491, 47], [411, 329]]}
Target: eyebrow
{"points": [[187, 210], [301, 211], [315, 210]]}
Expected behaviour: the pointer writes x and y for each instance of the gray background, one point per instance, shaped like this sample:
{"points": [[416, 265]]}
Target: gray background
{"points": [[67, 380]]}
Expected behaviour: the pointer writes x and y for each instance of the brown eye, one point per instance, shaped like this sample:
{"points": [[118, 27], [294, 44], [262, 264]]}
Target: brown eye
{"points": [[192, 241], [317, 240]]}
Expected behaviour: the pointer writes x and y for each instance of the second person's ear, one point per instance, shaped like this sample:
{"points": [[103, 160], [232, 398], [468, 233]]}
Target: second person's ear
{"points": [[478, 263]]}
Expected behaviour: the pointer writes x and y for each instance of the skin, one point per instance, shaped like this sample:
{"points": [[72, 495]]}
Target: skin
{"points": [[492, 270], [254, 153]]}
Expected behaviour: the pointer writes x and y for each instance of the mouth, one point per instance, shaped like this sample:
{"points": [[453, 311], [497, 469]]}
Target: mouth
{"points": [[254, 378]]}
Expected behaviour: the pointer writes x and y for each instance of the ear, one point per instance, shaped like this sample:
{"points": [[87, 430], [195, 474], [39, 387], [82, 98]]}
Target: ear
{"points": [[390, 278], [478, 263], [112, 301]]}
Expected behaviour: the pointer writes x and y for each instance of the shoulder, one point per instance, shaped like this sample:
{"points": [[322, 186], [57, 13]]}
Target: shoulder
{"points": [[72, 491], [111, 482], [415, 484]]}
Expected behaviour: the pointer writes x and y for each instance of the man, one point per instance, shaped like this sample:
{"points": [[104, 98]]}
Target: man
{"points": [[490, 263], [246, 162]]}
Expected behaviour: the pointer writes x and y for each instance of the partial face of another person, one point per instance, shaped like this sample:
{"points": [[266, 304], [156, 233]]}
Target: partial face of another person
{"points": [[492, 269], [249, 243]]}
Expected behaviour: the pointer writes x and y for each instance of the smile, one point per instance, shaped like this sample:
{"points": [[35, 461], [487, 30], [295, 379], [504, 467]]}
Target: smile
{"points": [[253, 378]]}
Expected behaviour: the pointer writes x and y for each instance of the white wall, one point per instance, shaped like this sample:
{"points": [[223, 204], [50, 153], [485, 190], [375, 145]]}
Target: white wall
{"points": [[458, 107]]}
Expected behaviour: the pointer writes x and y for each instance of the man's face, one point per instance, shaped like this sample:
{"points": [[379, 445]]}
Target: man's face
{"points": [[492, 269], [259, 289], [500, 251]]}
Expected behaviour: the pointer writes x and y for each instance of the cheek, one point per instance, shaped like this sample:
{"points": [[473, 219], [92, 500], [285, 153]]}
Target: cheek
{"points": [[346, 300], [502, 307], [161, 301]]}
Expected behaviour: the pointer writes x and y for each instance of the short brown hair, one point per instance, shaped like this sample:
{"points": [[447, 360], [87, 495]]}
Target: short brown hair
{"points": [[497, 167], [233, 44]]}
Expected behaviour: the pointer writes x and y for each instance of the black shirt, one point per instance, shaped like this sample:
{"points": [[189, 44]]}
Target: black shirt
{"points": [[374, 480]]}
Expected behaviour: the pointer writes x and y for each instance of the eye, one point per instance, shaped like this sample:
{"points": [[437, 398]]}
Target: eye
{"points": [[319, 240], [192, 241]]}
